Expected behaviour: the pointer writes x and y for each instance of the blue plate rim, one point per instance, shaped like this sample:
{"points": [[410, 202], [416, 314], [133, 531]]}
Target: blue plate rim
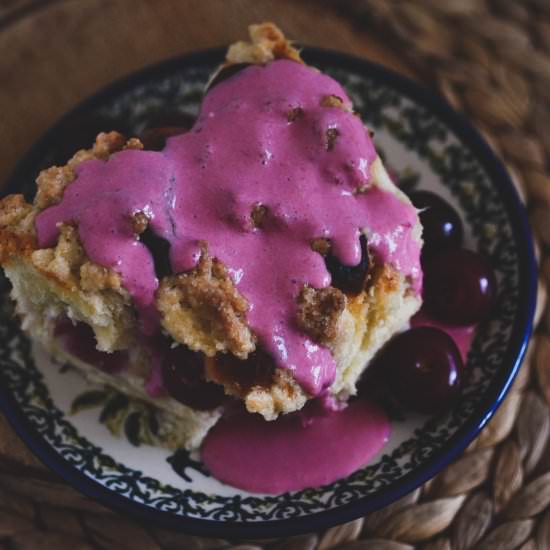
{"points": [[521, 333]]}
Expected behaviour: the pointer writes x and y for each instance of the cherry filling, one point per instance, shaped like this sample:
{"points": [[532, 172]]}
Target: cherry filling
{"points": [[79, 340], [257, 370], [164, 125], [459, 287], [440, 221], [349, 279], [183, 378], [160, 252]]}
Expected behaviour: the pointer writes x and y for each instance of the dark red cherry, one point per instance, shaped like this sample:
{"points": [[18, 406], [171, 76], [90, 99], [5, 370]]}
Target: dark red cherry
{"points": [[79, 340], [422, 369], [165, 124], [459, 287], [257, 370], [349, 279], [183, 378], [159, 249], [441, 222]]}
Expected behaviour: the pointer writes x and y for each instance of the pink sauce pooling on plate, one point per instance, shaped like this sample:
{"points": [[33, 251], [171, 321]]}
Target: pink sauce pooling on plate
{"points": [[247, 452], [261, 138], [309, 449]]}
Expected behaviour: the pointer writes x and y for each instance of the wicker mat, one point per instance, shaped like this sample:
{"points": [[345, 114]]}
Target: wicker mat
{"points": [[490, 59]]}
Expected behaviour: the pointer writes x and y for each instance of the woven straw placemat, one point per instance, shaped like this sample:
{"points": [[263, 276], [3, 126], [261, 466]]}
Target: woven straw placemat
{"points": [[490, 59]]}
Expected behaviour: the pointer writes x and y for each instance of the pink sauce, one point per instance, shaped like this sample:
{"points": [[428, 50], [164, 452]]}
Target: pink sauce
{"points": [[243, 150], [287, 455], [318, 446], [461, 335]]}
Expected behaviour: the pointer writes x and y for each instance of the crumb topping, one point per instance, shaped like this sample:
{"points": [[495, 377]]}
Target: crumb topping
{"points": [[64, 260], [265, 390], [52, 182], [140, 221], [267, 43], [204, 310], [331, 137], [294, 114], [319, 311], [332, 101], [13, 211], [95, 278], [16, 227], [321, 245], [68, 265], [258, 214]]}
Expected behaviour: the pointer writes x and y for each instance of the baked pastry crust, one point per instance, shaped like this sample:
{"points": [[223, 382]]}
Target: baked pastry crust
{"points": [[201, 309]]}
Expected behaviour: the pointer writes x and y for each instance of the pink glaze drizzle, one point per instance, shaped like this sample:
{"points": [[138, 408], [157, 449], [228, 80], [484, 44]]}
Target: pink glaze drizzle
{"points": [[247, 452], [243, 150]]}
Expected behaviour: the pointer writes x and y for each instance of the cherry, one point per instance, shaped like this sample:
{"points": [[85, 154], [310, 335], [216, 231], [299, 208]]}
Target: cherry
{"points": [[79, 340], [349, 279], [459, 287], [183, 378], [159, 249], [165, 124], [257, 370], [422, 369], [441, 222]]}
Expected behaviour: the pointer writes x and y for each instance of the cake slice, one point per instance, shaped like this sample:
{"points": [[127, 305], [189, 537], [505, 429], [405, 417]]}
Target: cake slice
{"points": [[263, 256]]}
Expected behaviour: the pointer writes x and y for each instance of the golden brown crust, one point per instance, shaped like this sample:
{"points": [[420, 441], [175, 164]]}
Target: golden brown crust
{"points": [[51, 185], [13, 210], [319, 311], [15, 244], [16, 227], [203, 310]]}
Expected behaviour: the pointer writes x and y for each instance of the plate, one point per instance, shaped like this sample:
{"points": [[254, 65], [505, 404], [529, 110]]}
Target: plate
{"points": [[72, 426]]}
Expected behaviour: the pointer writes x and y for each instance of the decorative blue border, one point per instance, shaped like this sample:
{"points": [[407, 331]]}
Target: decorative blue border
{"points": [[27, 171]]}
